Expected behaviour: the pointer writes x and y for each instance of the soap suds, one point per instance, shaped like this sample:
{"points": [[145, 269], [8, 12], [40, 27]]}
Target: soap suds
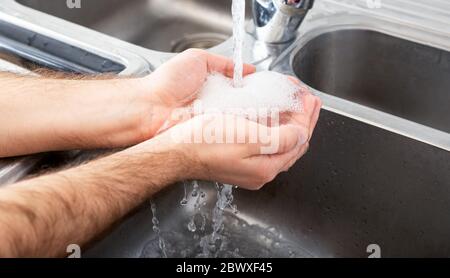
{"points": [[264, 90]]}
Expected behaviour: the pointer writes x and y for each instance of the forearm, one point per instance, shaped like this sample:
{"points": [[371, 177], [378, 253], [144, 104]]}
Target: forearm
{"points": [[43, 114], [42, 216]]}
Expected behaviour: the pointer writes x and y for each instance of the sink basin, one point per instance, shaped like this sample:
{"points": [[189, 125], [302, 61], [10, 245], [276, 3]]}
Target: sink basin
{"points": [[358, 185], [155, 24], [396, 76]]}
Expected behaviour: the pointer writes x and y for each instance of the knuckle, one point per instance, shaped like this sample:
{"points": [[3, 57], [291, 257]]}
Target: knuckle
{"points": [[261, 179], [258, 182], [271, 177], [257, 185], [268, 177]]}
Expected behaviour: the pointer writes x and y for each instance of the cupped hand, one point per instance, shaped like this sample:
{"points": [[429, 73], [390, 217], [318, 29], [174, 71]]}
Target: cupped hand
{"points": [[177, 82], [212, 151]]}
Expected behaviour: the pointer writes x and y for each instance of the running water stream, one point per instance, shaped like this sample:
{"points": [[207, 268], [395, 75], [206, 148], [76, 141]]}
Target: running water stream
{"points": [[157, 230], [213, 244], [238, 12], [218, 231]]}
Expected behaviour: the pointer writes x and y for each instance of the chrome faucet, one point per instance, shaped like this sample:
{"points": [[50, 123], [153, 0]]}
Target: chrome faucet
{"points": [[277, 21]]}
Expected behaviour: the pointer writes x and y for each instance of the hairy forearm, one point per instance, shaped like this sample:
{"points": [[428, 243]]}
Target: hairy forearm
{"points": [[42, 216], [46, 114]]}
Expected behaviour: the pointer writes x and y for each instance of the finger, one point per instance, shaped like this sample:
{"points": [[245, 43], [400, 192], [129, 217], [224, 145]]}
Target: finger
{"points": [[277, 140], [315, 117], [289, 137], [301, 152], [224, 65], [243, 134], [309, 104], [214, 62], [276, 163], [303, 118], [294, 79], [285, 161], [302, 149]]}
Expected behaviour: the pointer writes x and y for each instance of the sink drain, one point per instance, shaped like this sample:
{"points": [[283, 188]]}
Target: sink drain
{"points": [[200, 40]]}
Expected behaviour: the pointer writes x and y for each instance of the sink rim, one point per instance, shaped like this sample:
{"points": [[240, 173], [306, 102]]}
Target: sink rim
{"points": [[78, 36], [86, 36], [159, 25], [405, 127]]}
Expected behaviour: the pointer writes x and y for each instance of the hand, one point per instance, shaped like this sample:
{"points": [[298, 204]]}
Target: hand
{"points": [[100, 112], [208, 155], [177, 82], [130, 111]]}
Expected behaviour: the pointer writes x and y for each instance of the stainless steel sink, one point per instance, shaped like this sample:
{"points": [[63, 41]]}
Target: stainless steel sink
{"points": [[358, 185], [370, 177], [390, 74], [169, 26]]}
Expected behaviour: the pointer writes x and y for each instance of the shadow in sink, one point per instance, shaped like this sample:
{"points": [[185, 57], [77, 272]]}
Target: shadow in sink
{"points": [[390, 74], [169, 26]]}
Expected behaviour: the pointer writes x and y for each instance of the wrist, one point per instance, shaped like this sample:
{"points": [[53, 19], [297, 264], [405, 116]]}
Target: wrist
{"points": [[160, 153], [107, 113]]}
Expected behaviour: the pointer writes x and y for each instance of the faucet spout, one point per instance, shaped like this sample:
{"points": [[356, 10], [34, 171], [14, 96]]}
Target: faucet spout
{"points": [[277, 21]]}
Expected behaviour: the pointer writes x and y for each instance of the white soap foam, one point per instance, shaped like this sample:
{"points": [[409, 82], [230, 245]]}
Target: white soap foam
{"points": [[264, 90]]}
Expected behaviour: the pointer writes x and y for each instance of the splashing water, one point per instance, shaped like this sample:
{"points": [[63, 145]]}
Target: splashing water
{"points": [[240, 239], [224, 200], [199, 202], [184, 201], [238, 12], [225, 192], [213, 244], [226, 235], [195, 189], [157, 230], [215, 241]]}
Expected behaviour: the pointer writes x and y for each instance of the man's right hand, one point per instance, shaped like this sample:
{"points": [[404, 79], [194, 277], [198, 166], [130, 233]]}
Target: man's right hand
{"points": [[210, 151]]}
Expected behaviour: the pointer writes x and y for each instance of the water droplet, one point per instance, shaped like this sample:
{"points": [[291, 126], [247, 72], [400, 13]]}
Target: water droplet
{"points": [[195, 189], [31, 39], [156, 229], [291, 254], [191, 226]]}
